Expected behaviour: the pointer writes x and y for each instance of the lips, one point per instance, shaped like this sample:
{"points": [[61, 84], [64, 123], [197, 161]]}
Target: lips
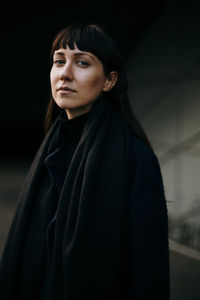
{"points": [[65, 88]]}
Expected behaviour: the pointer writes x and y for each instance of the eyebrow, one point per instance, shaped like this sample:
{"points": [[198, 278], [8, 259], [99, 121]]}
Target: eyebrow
{"points": [[77, 54]]}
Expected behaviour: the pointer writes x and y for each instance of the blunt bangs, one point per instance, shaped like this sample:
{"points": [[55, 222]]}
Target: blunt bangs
{"points": [[93, 39]]}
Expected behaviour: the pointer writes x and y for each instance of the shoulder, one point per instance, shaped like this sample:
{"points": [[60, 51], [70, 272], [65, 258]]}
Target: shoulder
{"points": [[138, 152], [148, 192], [138, 147], [143, 160]]}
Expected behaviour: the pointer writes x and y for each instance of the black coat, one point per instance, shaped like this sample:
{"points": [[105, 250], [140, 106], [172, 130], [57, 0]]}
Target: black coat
{"points": [[101, 235]]}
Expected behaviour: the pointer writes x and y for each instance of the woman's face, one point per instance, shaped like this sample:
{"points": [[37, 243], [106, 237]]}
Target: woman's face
{"points": [[77, 78]]}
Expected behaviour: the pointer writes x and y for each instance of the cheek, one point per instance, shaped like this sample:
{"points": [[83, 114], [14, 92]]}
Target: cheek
{"points": [[92, 81], [53, 80]]}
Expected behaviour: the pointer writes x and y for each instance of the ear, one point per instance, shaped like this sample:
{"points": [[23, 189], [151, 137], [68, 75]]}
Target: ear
{"points": [[110, 81]]}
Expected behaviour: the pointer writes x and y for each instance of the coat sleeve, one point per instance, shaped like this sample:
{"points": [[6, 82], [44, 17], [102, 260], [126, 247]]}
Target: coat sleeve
{"points": [[148, 229]]}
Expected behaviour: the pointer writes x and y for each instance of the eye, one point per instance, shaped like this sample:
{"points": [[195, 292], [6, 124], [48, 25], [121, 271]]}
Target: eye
{"points": [[82, 63], [59, 61]]}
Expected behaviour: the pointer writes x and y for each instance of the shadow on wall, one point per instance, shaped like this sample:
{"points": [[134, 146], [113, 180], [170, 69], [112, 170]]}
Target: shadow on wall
{"points": [[164, 85]]}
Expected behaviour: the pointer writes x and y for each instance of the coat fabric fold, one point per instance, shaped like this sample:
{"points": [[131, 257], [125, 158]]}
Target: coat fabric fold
{"points": [[99, 233]]}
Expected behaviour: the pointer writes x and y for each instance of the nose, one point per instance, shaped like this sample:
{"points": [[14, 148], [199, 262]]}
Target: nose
{"points": [[66, 72]]}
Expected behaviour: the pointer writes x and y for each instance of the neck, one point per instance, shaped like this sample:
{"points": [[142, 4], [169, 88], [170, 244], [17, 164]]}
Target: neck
{"points": [[71, 114]]}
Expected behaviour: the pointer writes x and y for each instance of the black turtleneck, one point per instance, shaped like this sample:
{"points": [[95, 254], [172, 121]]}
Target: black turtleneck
{"points": [[73, 128], [69, 137]]}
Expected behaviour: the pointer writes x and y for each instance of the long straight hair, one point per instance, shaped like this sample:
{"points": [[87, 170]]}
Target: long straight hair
{"points": [[92, 38]]}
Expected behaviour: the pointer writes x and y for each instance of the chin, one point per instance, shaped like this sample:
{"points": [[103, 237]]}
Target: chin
{"points": [[65, 104]]}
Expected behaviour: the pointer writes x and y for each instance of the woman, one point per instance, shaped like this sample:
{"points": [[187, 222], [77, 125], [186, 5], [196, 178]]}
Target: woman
{"points": [[92, 217]]}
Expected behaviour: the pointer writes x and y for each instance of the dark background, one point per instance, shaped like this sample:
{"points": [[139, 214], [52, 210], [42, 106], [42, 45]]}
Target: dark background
{"points": [[167, 70], [27, 31]]}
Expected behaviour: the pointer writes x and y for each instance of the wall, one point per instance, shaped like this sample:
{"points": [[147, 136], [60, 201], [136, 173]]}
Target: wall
{"points": [[164, 87]]}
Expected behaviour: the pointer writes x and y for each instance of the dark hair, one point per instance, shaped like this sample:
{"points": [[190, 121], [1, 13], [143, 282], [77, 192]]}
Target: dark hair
{"points": [[93, 39]]}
